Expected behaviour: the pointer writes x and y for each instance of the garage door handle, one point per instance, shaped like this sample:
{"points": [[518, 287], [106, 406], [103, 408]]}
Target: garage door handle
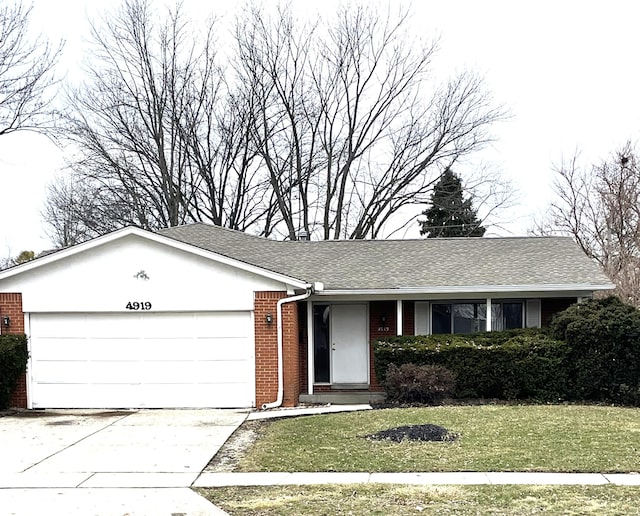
{"points": [[333, 346]]}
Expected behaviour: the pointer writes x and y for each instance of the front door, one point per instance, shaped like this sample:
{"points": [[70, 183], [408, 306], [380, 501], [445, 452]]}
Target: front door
{"points": [[349, 344]]}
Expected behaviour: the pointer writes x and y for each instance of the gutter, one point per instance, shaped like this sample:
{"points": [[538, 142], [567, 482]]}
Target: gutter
{"points": [[572, 287], [310, 289]]}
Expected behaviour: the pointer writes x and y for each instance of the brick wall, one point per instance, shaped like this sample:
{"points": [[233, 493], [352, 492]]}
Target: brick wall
{"points": [[379, 328], [11, 305], [408, 317], [267, 349]]}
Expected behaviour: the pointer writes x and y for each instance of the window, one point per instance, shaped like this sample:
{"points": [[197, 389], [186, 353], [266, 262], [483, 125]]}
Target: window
{"points": [[321, 352], [440, 318], [506, 315], [458, 317], [471, 317]]}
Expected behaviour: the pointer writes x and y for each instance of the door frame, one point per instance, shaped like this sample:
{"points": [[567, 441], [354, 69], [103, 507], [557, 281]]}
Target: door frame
{"points": [[366, 356]]}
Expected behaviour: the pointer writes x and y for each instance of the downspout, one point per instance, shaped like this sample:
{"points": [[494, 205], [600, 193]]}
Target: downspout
{"points": [[281, 302]]}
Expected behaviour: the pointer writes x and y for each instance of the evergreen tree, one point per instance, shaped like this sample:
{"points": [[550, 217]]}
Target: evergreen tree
{"points": [[450, 214]]}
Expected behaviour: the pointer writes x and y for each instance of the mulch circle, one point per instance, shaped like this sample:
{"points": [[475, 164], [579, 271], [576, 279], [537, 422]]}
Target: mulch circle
{"points": [[426, 432]]}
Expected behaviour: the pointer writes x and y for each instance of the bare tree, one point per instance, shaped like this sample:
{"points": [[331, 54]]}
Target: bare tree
{"points": [[330, 128], [156, 127], [351, 127], [599, 206], [26, 73], [78, 209]]}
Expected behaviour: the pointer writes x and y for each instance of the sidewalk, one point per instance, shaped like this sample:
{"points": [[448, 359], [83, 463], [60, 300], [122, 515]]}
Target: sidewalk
{"points": [[445, 478]]}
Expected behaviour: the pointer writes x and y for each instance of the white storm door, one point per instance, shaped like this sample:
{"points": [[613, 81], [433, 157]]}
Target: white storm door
{"points": [[349, 344]]}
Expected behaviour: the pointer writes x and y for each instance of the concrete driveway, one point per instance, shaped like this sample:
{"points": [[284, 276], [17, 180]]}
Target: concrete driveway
{"points": [[109, 458]]}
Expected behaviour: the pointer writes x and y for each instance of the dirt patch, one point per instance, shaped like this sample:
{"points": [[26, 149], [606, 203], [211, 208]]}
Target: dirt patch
{"points": [[426, 432], [229, 455]]}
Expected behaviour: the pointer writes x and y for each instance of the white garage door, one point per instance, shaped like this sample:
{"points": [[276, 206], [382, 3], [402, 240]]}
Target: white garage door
{"points": [[109, 360]]}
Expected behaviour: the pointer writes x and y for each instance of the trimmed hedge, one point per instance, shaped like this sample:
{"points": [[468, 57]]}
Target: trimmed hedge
{"points": [[13, 364], [604, 338], [514, 364]]}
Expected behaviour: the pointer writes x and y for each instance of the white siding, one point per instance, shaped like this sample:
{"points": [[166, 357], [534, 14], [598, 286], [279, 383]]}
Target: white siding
{"points": [[534, 313], [421, 318], [103, 279]]}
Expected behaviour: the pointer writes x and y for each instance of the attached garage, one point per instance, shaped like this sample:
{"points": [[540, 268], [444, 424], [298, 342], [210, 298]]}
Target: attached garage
{"points": [[137, 320], [152, 360]]}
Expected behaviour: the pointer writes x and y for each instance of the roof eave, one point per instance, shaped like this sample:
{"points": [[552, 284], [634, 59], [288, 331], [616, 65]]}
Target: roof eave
{"points": [[472, 289]]}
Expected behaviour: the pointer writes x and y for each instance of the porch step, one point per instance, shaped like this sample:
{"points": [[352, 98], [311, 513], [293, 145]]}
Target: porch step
{"points": [[343, 398]]}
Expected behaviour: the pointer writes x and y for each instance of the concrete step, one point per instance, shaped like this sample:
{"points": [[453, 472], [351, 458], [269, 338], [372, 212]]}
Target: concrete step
{"points": [[343, 398]]}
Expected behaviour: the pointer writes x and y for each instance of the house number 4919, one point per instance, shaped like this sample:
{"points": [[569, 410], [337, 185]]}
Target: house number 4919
{"points": [[138, 305]]}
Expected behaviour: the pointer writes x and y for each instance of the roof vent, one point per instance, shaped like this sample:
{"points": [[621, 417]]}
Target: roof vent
{"points": [[304, 236]]}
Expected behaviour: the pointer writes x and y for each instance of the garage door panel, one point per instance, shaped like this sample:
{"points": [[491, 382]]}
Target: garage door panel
{"points": [[94, 396], [201, 372], [228, 325], [75, 348], [84, 373], [188, 360], [196, 325], [218, 349], [57, 349], [209, 395], [194, 349], [144, 396], [48, 325], [141, 349]]}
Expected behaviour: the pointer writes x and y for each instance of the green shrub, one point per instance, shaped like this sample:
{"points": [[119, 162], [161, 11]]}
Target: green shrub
{"points": [[411, 383], [13, 364], [604, 337], [514, 364]]}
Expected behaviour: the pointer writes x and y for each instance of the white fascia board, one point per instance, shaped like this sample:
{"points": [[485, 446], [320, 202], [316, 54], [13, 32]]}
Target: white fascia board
{"points": [[176, 244], [569, 287]]}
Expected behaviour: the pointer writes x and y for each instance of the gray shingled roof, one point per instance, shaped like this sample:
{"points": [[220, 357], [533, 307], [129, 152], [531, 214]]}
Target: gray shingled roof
{"points": [[406, 264]]}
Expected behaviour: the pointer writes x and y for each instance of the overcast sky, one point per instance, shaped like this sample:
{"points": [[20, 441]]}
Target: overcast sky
{"points": [[567, 70]]}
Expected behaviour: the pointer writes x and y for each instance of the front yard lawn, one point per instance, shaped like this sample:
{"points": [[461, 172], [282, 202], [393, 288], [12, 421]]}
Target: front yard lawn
{"points": [[556, 438]]}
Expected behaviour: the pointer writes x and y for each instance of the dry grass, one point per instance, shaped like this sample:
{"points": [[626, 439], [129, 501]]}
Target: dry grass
{"points": [[400, 500]]}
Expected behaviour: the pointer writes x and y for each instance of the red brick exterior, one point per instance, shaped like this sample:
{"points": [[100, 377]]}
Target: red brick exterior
{"points": [[377, 327], [267, 349], [11, 305], [408, 317]]}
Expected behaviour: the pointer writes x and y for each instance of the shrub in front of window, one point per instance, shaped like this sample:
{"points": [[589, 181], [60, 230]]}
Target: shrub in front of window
{"points": [[419, 384]]}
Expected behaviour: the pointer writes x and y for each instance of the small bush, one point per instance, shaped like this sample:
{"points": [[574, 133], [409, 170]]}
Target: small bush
{"points": [[13, 364], [411, 383]]}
